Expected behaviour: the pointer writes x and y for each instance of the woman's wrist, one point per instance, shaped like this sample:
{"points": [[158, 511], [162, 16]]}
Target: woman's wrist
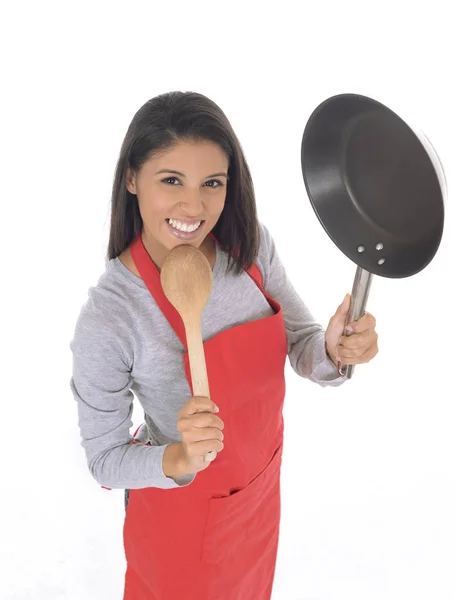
{"points": [[172, 462], [331, 355]]}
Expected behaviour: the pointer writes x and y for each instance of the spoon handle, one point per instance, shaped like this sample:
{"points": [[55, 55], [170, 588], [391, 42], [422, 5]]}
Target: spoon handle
{"points": [[198, 370], [196, 355]]}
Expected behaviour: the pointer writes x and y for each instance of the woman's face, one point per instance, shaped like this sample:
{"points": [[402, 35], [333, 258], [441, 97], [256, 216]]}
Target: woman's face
{"points": [[181, 195]]}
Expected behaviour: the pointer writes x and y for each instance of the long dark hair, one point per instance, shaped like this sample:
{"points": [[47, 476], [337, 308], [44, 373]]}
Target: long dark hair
{"points": [[157, 126]]}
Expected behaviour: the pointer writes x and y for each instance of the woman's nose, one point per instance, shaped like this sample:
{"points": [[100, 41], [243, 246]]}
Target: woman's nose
{"points": [[192, 202]]}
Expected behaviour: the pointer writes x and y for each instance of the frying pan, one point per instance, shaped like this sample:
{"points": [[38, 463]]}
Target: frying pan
{"points": [[378, 189]]}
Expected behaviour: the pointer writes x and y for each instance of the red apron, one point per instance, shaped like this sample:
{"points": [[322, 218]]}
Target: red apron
{"points": [[217, 538]]}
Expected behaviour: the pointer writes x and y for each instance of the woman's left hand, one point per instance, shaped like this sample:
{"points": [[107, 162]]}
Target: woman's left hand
{"points": [[358, 347]]}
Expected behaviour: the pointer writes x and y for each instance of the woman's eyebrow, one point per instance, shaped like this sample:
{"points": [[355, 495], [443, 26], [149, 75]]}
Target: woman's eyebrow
{"points": [[182, 175]]}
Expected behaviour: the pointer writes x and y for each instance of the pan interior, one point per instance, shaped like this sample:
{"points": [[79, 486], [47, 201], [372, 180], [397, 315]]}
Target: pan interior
{"points": [[389, 176]]}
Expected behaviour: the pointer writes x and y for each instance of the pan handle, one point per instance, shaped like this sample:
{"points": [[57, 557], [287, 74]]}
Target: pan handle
{"points": [[359, 296]]}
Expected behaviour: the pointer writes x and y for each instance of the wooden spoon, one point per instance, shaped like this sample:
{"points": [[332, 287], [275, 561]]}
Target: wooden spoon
{"points": [[187, 280]]}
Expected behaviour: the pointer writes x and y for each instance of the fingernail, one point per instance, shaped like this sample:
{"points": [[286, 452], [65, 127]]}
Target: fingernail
{"points": [[217, 409], [349, 329]]}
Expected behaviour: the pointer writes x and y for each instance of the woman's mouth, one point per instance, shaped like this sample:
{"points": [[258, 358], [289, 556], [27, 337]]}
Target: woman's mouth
{"points": [[185, 230]]}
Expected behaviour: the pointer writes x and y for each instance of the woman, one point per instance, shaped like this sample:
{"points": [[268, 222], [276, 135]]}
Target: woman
{"points": [[195, 528]]}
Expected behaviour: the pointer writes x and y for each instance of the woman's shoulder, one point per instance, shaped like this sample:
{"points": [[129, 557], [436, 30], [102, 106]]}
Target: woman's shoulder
{"points": [[265, 238], [108, 312], [266, 250]]}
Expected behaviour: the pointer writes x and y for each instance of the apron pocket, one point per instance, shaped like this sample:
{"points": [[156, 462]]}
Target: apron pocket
{"points": [[242, 529]]}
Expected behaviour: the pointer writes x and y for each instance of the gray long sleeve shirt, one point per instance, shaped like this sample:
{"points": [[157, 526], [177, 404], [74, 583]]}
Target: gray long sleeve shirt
{"points": [[124, 348]]}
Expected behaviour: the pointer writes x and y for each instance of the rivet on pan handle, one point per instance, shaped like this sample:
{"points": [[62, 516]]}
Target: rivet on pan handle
{"points": [[359, 296]]}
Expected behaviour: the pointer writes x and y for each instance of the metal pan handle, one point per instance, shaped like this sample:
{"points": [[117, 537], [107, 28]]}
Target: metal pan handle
{"points": [[359, 296]]}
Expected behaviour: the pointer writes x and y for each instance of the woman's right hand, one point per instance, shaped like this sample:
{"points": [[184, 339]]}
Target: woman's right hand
{"points": [[201, 432]]}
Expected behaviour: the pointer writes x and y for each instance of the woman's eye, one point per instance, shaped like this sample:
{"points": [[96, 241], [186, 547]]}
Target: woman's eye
{"points": [[170, 180], [218, 183]]}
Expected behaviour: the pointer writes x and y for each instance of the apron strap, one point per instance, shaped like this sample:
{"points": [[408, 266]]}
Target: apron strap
{"points": [[255, 274], [152, 278]]}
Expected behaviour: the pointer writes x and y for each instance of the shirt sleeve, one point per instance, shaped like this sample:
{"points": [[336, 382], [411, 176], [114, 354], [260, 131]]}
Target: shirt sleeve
{"points": [[101, 385], [305, 336]]}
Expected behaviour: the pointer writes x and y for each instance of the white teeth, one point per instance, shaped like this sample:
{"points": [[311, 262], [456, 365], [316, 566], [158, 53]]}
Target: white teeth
{"points": [[183, 226]]}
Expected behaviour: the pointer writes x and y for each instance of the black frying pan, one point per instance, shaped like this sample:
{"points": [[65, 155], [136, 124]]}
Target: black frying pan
{"points": [[377, 188]]}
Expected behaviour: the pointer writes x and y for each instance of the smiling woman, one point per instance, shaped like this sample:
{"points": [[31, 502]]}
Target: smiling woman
{"points": [[195, 528]]}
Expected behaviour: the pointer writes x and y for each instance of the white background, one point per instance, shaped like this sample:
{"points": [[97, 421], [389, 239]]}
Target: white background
{"points": [[376, 474]]}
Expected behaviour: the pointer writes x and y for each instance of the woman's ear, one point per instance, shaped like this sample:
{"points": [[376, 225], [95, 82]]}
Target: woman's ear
{"points": [[130, 181]]}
